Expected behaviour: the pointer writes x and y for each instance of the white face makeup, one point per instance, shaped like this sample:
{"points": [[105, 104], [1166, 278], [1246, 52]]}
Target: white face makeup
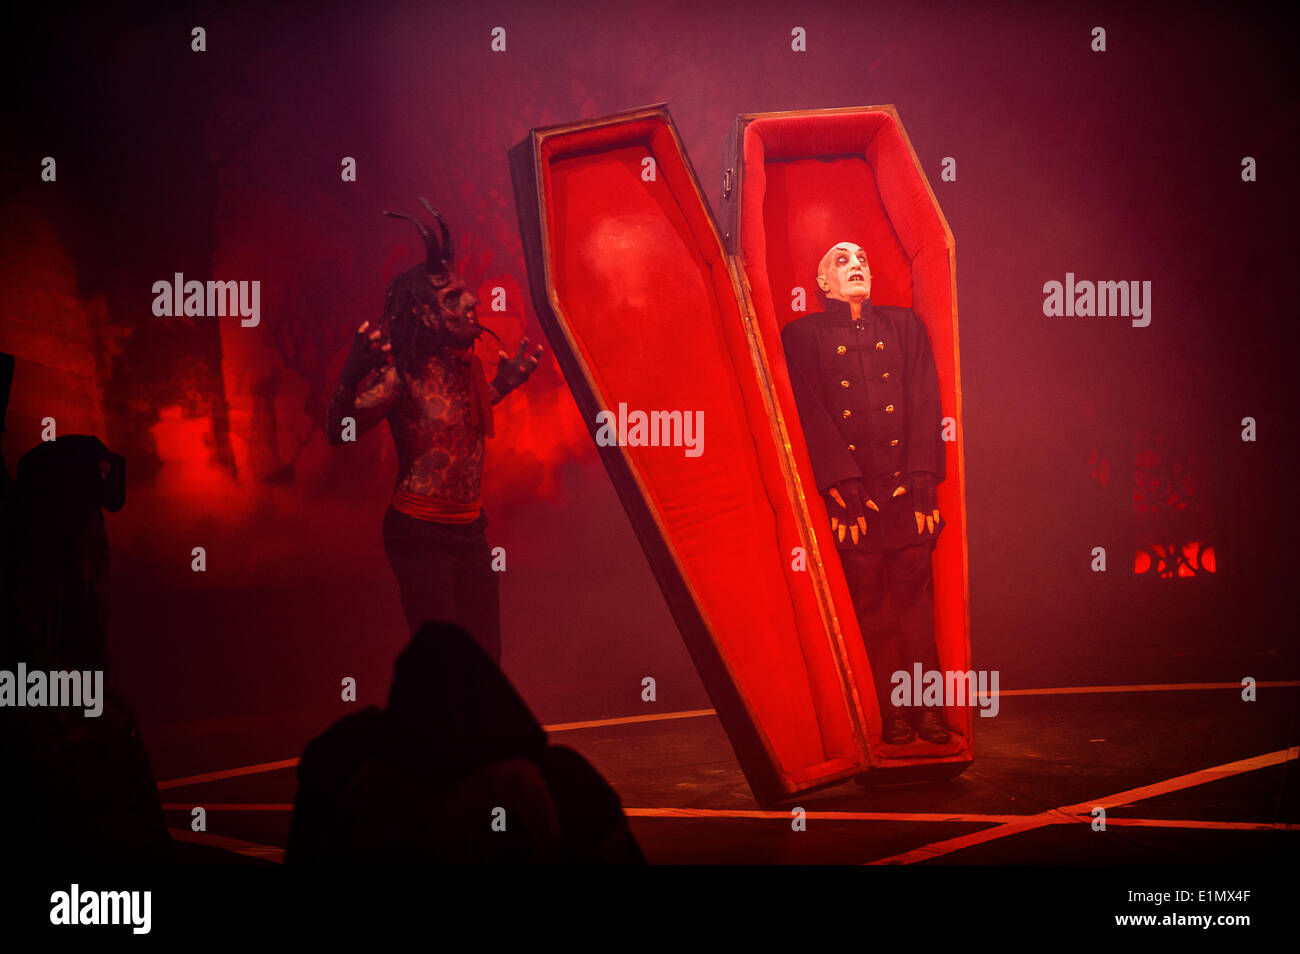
{"points": [[844, 273]]}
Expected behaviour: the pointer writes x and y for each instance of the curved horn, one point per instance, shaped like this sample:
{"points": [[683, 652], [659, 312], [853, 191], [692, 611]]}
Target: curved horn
{"points": [[433, 250], [448, 248]]}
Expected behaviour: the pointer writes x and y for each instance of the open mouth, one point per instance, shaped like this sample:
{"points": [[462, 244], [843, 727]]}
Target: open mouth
{"points": [[856, 277]]}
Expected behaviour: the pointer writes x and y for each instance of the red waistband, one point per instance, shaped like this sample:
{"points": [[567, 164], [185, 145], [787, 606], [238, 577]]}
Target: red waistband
{"points": [[434, 509]]}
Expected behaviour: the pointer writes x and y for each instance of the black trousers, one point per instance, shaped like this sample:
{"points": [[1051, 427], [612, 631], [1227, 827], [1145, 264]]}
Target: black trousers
{"points": [[893, 597], [444, 573]]}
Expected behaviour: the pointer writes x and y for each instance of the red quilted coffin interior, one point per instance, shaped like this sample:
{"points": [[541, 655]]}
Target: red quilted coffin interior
{"points": [[640, 282], [808, 182], [640, 279]]}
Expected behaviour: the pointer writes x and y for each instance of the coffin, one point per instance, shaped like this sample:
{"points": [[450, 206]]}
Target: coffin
{"points": [[646, 307]]}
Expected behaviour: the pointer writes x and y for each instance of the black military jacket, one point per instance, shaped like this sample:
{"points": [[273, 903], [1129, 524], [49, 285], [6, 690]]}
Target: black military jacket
{"points": [[868, 399]]}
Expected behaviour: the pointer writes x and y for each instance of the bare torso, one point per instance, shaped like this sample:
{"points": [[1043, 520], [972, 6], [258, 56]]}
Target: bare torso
{"points": [[439, 450]]}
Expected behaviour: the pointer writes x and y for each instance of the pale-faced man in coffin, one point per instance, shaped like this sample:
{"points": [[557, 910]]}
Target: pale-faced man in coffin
{"points": [[868, 397]]}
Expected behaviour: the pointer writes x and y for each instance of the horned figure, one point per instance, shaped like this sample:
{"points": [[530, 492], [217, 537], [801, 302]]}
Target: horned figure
{"points": [[433, 292], [416, 368]]}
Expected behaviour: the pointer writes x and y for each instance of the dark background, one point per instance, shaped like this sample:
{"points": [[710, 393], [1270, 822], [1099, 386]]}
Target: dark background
{"points": [[1123, 165]]}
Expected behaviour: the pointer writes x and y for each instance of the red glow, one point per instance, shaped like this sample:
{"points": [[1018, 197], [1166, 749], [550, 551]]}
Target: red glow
{"points": [[1193, 559]]}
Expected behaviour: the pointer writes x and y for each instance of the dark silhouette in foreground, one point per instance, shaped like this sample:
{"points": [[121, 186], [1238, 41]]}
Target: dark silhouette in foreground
{"points": [[455, 770], [75, 787]]}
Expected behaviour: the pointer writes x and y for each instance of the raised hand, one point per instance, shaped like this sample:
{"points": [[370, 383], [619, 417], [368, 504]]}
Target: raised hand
{"points": [[370, 349], [512, 372]]}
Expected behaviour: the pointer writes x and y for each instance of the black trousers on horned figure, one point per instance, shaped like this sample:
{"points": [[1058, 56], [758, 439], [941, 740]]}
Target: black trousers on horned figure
{"points": [[445, 575], [893, 598]]}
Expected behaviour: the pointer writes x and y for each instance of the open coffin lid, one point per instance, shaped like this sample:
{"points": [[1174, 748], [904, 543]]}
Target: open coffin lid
{"points": [[646, 310], [794, 183]]}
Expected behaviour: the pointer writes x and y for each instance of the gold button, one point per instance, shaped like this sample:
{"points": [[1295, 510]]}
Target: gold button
{"points": [[894, 442], [880, 346], [847, 414], [885, 376], [844, 384], [896, 474], [841, 349], [889, 409], [853, 447]]}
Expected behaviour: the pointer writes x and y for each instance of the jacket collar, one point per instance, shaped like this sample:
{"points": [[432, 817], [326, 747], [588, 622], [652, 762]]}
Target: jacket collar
{"points": [[839, 310]]}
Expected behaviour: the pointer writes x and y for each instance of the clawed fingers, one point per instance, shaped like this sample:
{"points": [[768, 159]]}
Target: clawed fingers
{"points": [[835, 495], [862, 524], [920, 520], [872, 505], [843, 527], [853, 532]]}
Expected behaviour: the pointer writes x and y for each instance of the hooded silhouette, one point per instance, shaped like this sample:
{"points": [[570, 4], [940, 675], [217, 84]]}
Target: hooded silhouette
{"points": [[61, 571], [455, 770], [82, 788]]}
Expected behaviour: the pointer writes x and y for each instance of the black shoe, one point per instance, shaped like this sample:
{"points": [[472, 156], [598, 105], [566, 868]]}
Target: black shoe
{"points": [[931, 728], [895, 730]]}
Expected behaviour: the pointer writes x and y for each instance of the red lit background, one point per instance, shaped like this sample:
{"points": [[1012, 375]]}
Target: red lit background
{"points": [[225, 165]]}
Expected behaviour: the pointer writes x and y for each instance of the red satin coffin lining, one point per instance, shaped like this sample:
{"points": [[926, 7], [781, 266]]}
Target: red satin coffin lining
{"points": [[642, 284], [809, 182]]}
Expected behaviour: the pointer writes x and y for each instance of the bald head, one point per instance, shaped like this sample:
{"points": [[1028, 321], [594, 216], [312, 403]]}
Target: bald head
{"points": [[844, 273]]}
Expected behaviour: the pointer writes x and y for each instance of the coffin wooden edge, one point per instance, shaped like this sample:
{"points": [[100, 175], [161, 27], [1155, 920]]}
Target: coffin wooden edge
{"points": [[732, 184], [734, 711]]}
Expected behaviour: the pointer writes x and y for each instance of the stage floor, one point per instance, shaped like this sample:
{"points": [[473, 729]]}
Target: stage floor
{"points": [[1186, 774]]}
